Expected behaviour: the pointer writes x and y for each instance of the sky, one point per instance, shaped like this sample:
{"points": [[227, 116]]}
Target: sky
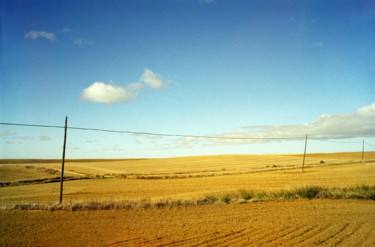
{"points": [[264, 72]]}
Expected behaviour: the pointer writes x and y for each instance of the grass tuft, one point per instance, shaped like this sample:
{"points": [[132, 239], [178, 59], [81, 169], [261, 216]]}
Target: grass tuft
{"points": [[308, 192], [246, 195], [226, 198]]}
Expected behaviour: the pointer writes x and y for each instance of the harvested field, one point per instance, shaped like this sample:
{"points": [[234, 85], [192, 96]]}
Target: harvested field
{"points": [[183, 167], [290, 223], [301, 222], [190, 188]]}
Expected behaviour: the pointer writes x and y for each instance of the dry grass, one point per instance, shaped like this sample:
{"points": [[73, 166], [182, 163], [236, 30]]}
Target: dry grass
{"points": [[241, 196], [186, 189], [202, 175]]}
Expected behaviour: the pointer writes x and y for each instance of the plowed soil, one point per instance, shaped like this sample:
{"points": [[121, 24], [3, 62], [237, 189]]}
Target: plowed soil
{"points": [[273, 223]]}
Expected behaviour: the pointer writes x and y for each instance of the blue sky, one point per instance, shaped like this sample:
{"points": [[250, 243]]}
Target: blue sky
{"points": [[248, 69]]}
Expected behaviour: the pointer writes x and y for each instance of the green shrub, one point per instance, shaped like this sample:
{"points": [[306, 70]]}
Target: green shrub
{"points": [[361, 192]]}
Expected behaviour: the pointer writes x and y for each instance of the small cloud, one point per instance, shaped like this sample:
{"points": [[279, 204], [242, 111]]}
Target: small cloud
{"points": [[7, 133], [105, 93], [45, 138], [81, 42], [25, 138], [36, 34], [115, 148], [110, 93], [14, 142], [318, 44], [151, 79], [66, 30], [313, 21], [148, 135]]}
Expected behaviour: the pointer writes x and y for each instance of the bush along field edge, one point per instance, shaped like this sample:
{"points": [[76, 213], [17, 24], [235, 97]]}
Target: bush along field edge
{"points": [[364, 192]]}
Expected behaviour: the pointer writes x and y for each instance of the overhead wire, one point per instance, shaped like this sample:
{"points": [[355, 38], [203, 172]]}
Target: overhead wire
{"points": [[177, 135], [153, 134], [316, 139]]}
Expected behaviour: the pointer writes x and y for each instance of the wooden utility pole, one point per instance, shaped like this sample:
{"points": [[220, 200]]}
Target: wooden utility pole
{"points": [[304, 154], [63, 160], [363, 149]]}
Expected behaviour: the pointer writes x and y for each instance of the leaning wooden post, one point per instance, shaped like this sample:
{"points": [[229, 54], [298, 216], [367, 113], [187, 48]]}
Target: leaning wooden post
{"points": [[304, 154], [63, 160]]}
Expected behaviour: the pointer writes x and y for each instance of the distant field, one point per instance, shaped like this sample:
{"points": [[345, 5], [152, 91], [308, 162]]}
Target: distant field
{"points": [[184, 178], [15, 170]]}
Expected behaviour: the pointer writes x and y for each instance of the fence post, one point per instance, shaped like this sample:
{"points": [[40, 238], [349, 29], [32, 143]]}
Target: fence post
{"points": [[63, 160], [304, 154]]}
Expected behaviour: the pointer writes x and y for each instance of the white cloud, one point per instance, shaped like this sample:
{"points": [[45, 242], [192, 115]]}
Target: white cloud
{"points": [[25, 138], [109, 93], [105, 93], [36, 34], [148, 135], [151, 79], [328, 126], [7, 133], [14, 142], [318, 44], [45, 138], [81, 42]]}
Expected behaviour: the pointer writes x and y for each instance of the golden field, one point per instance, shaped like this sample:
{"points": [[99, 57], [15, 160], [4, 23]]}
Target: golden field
{"points": [[302, 222], [180, 167], [183, 178]]}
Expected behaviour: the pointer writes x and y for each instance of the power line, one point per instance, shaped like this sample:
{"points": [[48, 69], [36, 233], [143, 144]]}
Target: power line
{"points": [[154, 134], [315, 139], [33, 125], [174, 135]]}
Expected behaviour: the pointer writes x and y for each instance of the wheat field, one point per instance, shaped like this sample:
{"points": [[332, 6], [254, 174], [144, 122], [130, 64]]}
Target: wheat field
{"points": [[181, 178], [280, 221]]}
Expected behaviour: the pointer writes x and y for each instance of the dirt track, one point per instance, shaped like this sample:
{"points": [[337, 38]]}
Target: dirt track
{"points": [[290, 223]]}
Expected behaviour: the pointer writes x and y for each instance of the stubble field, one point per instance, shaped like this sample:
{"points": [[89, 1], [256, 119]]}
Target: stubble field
{"points": [[346, 222]]}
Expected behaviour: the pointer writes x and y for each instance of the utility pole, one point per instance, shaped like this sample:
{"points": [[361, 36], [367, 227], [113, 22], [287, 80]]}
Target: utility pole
{"points": [[363, 149], [63, 160], [304, 154]]}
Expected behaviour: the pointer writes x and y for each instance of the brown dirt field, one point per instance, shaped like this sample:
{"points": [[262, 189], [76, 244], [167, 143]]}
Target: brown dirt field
{"points": [[286, 223]]}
